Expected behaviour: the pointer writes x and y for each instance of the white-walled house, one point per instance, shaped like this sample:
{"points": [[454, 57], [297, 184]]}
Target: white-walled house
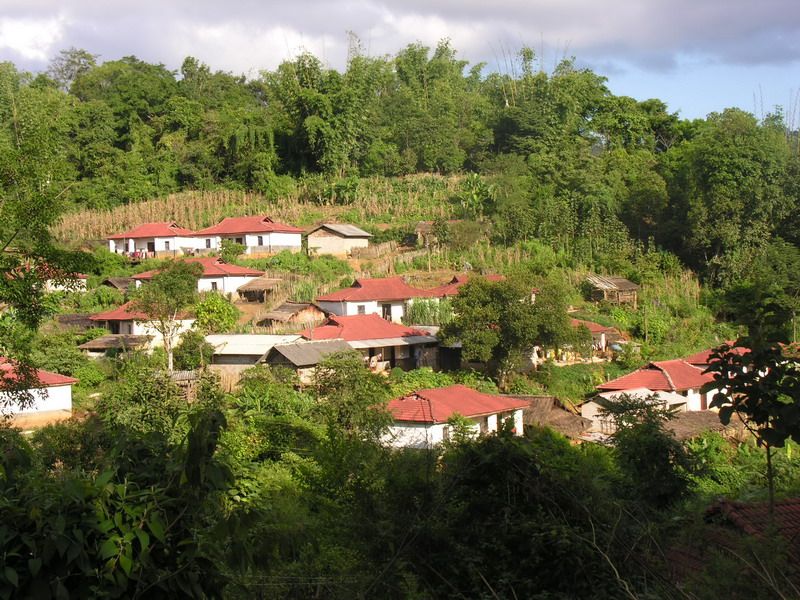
{"points": [[125, 320], [51, 396], [384, 296], [259, 234], [71, 282], [420, 418], [602, 423], [217, 275], [667, 376], [153, 239], [338, 239]]}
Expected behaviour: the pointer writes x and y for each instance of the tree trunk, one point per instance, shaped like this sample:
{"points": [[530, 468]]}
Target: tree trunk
{"points": [[771, 486]]}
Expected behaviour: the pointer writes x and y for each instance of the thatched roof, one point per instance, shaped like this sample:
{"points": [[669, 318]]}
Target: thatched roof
{"points": [[77, 320], [690, 424], [546, 411], [287, 310], [117, 341], [611, 283], [260, 284]]}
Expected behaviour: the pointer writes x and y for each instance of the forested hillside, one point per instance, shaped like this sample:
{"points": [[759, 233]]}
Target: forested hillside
{"points": [[560, 158]]}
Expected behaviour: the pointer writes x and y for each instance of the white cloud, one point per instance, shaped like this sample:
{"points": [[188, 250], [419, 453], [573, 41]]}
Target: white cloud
{"points": [[31, 38]]}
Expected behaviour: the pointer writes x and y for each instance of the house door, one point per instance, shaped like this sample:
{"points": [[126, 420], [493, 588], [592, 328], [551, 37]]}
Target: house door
{"points": [[386, 311], [151, 246]]}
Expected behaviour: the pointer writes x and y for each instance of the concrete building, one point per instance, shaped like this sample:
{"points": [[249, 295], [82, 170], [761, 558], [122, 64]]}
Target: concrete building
{"points": [[420, 418], [387, 297], [217, 275], [258, 234], [153, 240], [338, 239], [47, 400]]}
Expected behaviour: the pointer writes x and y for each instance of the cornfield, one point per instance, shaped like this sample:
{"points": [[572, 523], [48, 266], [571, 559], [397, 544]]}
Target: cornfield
{"points": [[377, 200]]}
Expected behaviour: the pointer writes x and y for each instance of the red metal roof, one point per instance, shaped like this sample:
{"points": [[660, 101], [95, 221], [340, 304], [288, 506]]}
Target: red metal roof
{"points": [[153, 230], [121, 313], [454, 285], [591, 326], [380, 289], [669, 375], [212, 267], [254, 224], [8, 373], [439, 404], [702, 358], [360, 327]]}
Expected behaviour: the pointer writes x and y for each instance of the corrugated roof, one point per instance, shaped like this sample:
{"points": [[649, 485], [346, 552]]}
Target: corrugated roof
{"points": [[307, 354], [8, 374], [669, 375], [252, 224], [611, 283], [120, 283], [212, 267], [247, 344], [591, 326], [381, 288], [343, 229], [153, 230], [439, 404], [360, 327]]}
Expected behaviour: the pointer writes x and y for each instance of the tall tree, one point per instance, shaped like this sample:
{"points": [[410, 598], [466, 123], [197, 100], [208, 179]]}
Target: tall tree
{"points": [[170, 292]]}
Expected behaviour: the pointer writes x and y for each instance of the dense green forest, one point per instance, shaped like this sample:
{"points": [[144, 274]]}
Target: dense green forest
{"points": [[276, 492]]}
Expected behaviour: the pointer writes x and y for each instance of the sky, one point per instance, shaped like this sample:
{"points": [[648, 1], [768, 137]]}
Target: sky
{"points": [[698, 56]]}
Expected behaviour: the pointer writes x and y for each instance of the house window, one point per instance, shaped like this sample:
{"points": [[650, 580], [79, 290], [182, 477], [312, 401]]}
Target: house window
{"points": [[361, 309], [261, 240], [386, 311], [208, 243], [213, 286], [166, 245], [240, 240], [446, 433]]}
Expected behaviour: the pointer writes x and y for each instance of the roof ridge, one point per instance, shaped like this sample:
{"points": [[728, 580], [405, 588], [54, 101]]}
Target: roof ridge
{"points": [[666, 375]]}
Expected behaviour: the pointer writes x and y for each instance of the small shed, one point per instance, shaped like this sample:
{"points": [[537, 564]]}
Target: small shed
{"points": [[289, 313], [338, 239], [303, 356], [614, 289], [259, 289]]}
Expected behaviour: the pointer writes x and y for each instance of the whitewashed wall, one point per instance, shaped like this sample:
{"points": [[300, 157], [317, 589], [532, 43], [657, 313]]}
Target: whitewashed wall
{"points": [[146, 328], [346, 309], [51, 399], [424, 435]]}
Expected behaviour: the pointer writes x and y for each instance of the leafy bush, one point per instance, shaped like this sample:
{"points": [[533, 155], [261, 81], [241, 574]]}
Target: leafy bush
{"points": [[215, 314]]}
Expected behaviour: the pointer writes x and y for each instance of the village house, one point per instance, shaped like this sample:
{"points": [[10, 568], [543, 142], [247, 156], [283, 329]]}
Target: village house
{"points": [[421, 417], [385, 296], [51, 396], [260, 290], [600, 422], [291, 315], [452, 287], [702, 359], [666, 376], [217, 275], [244, 350], [71, 282], [303, 356], [125, 320], [153, 240], [121, 284], [383, 344], [613, 289], [258, 234], [338, 239]]}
